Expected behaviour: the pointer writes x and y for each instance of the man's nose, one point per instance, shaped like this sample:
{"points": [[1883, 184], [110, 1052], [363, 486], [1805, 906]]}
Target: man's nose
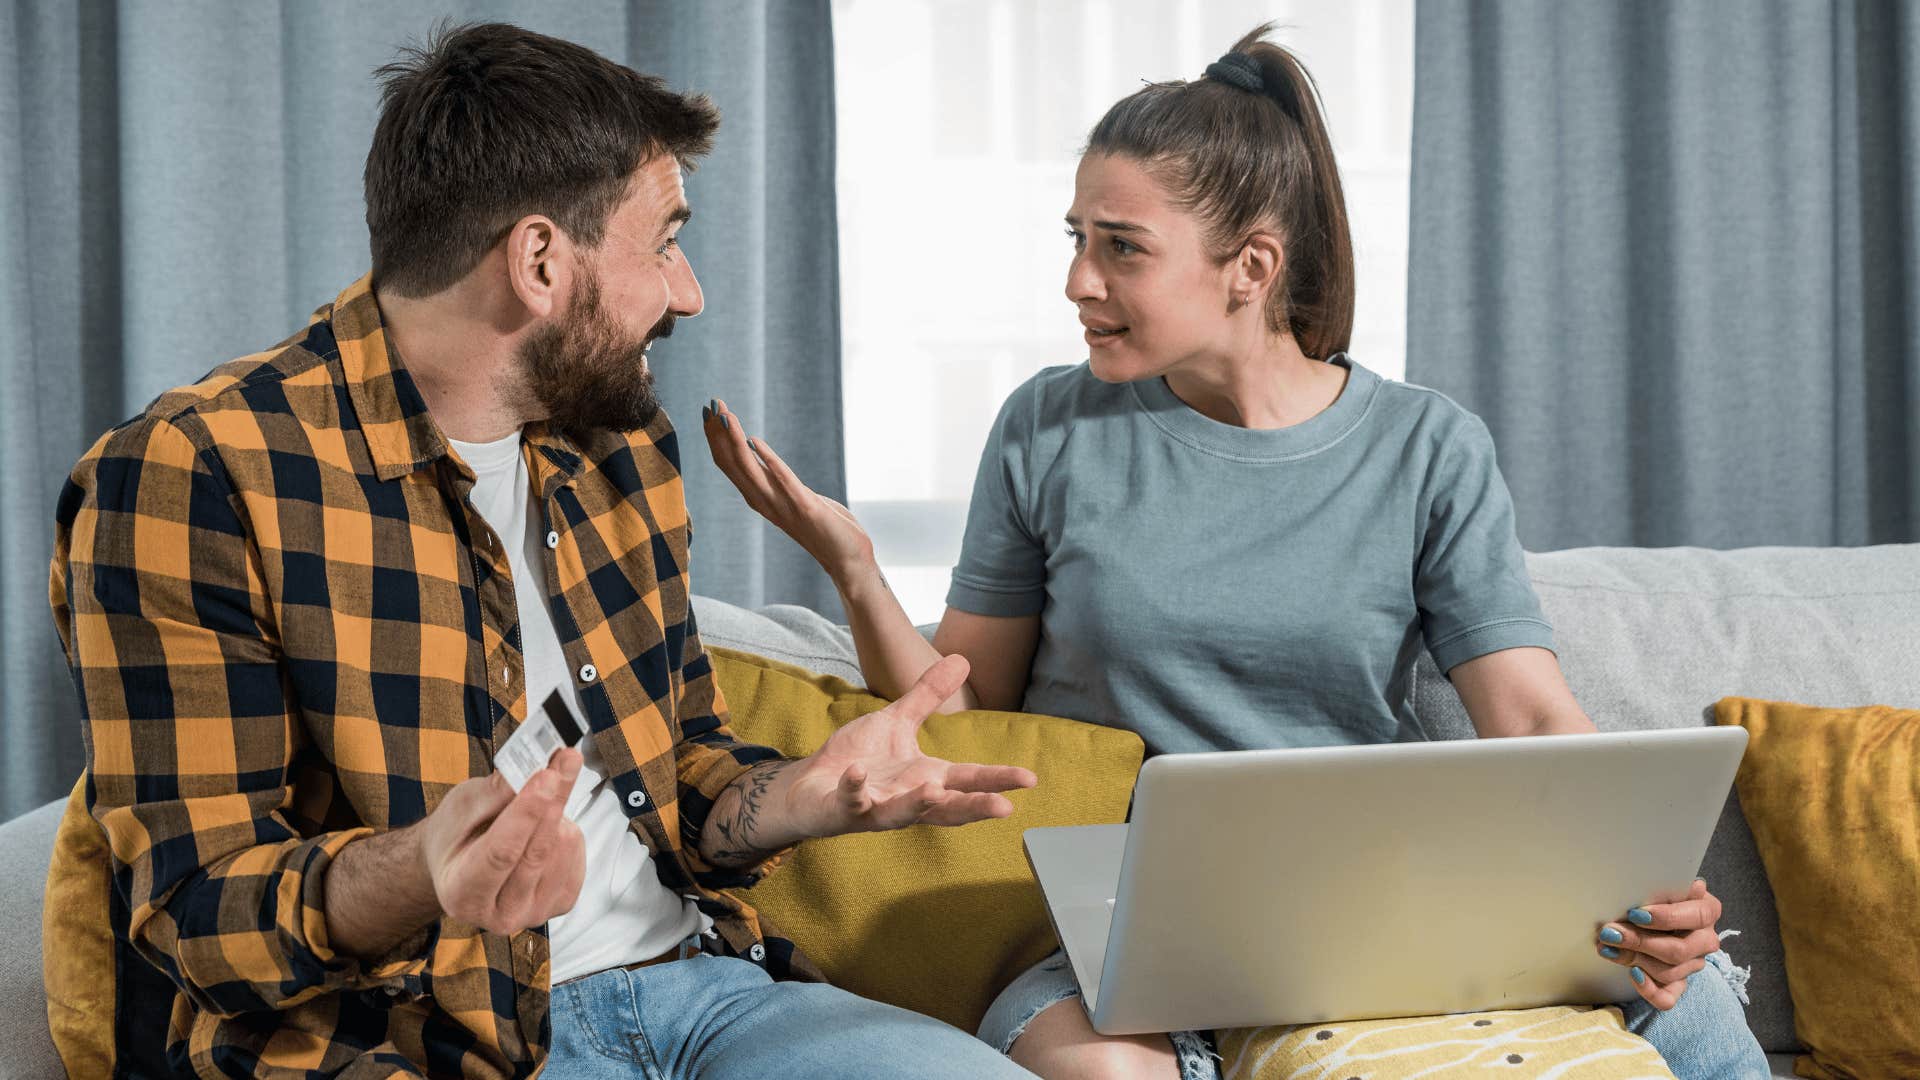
{"points": [[685, 298]]}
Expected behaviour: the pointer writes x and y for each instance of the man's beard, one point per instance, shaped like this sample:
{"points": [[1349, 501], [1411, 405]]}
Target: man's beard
{"points": [[585, 375]]}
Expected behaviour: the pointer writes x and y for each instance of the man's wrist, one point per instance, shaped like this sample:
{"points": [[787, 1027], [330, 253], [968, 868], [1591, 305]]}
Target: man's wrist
{"points": [[379, 891], [755, 817]]}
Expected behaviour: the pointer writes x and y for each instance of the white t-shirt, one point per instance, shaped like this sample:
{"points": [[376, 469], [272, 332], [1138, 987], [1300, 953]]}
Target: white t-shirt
{"points": [[623, 915]]}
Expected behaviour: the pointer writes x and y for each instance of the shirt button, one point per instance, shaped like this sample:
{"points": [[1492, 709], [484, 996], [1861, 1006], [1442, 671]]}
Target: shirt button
{"points": [[506, 674], [588, 673], [757, 953], [553, 539], [637, 798], [393, 991]]}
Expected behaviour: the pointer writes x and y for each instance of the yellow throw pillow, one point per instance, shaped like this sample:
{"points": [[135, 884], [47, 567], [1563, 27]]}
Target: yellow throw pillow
{"points": [[76, 942], [1833, 799], [1560, 1041], [937, 920]]}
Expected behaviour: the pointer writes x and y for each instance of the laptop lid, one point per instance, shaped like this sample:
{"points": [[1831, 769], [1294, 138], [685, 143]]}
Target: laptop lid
{"points": [[1300, 886]]}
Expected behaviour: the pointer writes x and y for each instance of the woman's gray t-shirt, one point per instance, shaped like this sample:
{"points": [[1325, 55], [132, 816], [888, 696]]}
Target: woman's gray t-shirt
{"points": [[1219, 588]]}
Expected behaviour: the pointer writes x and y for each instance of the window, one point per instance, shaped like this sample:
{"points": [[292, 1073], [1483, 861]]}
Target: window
{"points": [[960, 123]]}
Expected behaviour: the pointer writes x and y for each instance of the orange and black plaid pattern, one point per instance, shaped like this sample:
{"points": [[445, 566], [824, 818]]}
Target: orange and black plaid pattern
{"points": [[289, 628]]}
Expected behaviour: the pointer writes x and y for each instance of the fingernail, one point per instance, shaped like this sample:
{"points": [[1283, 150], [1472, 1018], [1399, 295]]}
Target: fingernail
{"points": [[713, 405], [1611, 936], [1638, 975], [1609, 952], [723, 422], [1640, 916], [706, 412]]}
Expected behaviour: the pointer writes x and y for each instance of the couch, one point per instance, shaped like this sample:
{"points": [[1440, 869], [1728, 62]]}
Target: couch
{"points": [[1648, 639]]}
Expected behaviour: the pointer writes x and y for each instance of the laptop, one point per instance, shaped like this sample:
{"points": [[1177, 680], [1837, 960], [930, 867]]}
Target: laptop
{"points": [[1264, 887]]}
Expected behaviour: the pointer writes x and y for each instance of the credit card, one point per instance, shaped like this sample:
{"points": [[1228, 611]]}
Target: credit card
{"points": [[532, 745]]}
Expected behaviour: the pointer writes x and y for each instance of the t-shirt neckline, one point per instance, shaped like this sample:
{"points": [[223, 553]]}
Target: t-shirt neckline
{"points": [[498, 455], [1188, 425]]}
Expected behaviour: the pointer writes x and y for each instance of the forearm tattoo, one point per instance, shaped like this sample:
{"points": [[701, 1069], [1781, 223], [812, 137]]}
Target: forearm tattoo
{"points": [[737, 827]]}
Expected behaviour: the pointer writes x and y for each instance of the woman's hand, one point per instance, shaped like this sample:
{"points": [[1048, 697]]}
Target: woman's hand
{"points": [[827, 530], [1664, 943]]}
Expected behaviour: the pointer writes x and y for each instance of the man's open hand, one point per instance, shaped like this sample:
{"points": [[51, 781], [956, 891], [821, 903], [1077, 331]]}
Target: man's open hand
{"points": [[871, 774]]}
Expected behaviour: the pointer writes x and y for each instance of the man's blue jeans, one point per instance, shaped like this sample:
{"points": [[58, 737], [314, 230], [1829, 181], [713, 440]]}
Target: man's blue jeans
{"points": [[714, 1017]]}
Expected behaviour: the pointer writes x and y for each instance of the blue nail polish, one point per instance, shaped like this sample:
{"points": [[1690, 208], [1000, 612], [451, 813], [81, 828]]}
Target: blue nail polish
{"points": [[1609, 952], [723, 422], [1638, 975], [1640, 917], [706, 413], [1611, 936]]}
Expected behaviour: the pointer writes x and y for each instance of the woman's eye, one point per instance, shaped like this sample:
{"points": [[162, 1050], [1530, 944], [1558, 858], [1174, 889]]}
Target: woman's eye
{"points": [[1079, 239], [1121, 247]]}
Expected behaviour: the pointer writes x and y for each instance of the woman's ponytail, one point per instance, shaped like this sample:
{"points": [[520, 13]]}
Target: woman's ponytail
{"points": [[1246, 148]]}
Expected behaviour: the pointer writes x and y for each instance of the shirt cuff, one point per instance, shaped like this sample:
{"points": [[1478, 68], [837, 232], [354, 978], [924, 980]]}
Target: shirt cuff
{"points": [[401, 972], [717, 774]]}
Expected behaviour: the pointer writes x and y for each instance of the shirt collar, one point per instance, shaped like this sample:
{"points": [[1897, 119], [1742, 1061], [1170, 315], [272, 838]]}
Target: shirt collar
{"points": [[401, 435]]}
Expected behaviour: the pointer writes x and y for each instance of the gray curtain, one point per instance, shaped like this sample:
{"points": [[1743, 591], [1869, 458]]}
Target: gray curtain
{"points": [[1670, 252], [180, 185]]}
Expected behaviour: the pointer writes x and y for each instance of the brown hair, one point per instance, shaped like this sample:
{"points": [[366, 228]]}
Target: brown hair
{"points": [[1244, 160], [489, 123]]}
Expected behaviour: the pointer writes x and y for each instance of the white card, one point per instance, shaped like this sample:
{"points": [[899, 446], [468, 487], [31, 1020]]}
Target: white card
{"points": [[532, 745]]}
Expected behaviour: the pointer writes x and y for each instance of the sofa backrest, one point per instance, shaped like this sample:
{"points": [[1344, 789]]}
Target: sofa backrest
{"points": [[1652, 637]]}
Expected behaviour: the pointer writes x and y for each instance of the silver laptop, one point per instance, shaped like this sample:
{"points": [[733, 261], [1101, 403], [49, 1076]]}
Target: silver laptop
{"points": [[1344, 883]]}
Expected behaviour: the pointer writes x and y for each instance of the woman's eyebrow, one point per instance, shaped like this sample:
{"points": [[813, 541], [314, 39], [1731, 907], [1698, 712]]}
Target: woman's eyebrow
{"points": [[1112, 226]]}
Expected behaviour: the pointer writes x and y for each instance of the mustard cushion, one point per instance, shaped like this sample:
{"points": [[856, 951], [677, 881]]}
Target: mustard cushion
{"points": [[937, 920], [1833, 799], [1560, 1041], [76, 954]]}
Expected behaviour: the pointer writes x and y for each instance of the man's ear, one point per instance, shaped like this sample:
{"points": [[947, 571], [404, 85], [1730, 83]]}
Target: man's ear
{"points": [[539, 257], [1258, 269]]}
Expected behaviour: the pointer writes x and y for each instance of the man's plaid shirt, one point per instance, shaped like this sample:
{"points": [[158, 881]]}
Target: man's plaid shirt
{"points": [[289, 629]]}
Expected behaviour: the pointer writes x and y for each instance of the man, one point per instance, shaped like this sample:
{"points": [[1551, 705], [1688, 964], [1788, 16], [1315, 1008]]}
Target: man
{"points": [[307, 600]]}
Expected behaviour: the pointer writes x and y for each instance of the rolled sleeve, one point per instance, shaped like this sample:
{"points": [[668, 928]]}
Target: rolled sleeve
{"points": [[707, 760]]}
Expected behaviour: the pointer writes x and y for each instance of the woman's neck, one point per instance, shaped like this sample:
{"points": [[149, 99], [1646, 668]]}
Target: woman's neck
{"points": [[1269, 385]]}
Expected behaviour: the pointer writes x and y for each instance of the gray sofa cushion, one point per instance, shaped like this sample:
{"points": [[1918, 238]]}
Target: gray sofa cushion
{"points": [[784, 632], [1651, 638]]}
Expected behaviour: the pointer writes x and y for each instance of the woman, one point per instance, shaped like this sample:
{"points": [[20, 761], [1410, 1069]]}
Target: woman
{"points": [[1221, 518]]}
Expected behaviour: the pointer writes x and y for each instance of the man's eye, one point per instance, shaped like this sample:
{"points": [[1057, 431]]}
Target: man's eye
{"points": [[672, 242], [1121, 247], [1079, 239]]}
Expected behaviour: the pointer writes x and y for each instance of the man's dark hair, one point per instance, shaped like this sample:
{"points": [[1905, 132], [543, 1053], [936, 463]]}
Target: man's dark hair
{"points": [[489, 123]]}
